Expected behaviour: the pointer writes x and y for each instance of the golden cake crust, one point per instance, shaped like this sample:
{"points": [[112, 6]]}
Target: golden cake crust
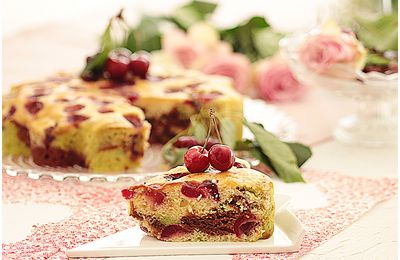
{"points": [[233, 177]]}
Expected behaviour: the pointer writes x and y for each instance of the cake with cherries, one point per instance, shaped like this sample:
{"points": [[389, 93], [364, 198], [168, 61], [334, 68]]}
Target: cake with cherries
{"points": [[104, 125], [169, 99], [59, 125], [232, 205]]}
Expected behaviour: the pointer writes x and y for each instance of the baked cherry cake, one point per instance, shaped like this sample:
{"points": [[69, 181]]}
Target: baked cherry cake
{"points": [[104, 125], [169, 99], [232, 205], [61, 126]]}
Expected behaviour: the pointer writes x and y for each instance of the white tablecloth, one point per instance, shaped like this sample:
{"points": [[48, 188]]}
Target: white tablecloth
{"points": [[374, 236]]}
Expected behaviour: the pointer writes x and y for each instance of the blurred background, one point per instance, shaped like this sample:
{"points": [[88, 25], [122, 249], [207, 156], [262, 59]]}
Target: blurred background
{"points": [[21, 15], [75, 25], [43, 37]]}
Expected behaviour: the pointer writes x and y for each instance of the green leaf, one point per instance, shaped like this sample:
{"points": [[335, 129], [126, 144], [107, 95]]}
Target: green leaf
{"points": [[106, 40], [376, 59], [191, 13], [282, 158], [198, 128], [114, 36], [394, 5], [147, 34], [241, 37], [301, 151], [257, 152], [96, 64], [185, 17], [244, 145], [204, 8], [266, 42], [228, 131], [131, 41], [172, 155], [379, 33]]}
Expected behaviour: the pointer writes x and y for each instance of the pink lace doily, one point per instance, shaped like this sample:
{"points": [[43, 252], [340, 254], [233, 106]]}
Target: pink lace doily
{"points": [[99, 211]]}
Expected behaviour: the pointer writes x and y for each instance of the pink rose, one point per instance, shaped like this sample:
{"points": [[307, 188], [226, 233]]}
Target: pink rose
{"points": [[275, 82], [233, 65], [320, 52], [184, 49]]}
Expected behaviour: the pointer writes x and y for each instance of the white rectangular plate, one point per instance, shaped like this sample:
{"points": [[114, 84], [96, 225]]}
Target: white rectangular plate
{"points": [[287, 237]]}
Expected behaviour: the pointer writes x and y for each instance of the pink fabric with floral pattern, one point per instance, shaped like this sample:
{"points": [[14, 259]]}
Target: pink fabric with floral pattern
{"points": [[101, 211]]}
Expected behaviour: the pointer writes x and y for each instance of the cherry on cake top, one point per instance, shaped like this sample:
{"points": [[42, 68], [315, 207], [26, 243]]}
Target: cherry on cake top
{"points": [[122, 65], [198, 159], [221, 157]]}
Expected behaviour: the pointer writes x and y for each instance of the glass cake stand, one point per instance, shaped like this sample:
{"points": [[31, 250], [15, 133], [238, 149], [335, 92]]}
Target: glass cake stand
{"points": [[255, 110], [374, 123]]}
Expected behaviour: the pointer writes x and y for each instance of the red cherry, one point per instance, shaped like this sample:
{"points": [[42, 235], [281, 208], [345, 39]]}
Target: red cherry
{"points": [[62, 100], [131, 97], [172, 230], [221, 157], [238, 165], [76, 119], [175, 176], [127, 193], [210, 188], [11, 111], [48, 137], [156, 196], [191, 190], [40, 92], [211, 141], [244, 224], [105, 110], [185, 142], [33, 106], [139, 64], [134, 120], [117, 64], [196, 159], [73, 108], [144, 229]]}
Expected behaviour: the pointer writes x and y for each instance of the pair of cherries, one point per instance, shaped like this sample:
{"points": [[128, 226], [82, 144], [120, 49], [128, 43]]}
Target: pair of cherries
{"points": [[121, 62], [198, 159]]}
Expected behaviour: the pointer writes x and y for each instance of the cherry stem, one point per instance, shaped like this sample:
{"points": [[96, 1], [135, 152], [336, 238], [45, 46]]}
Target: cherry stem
{"points": [[216, 129], [209, 131]]}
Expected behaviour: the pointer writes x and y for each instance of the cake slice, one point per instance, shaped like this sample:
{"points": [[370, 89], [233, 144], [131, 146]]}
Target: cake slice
{"points": [[234, 205]]}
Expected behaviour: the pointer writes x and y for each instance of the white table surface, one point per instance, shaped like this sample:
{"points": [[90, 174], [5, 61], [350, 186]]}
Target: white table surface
{"points": [[373, 236]]}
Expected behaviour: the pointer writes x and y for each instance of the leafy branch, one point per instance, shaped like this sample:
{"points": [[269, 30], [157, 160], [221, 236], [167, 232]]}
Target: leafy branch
{"points": [[284, 158], [254, 37]]}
